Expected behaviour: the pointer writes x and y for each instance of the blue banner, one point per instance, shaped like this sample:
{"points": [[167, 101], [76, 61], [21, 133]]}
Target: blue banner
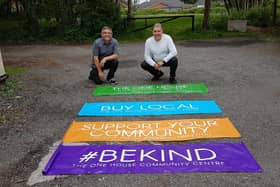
{"points": [[149, 108]]}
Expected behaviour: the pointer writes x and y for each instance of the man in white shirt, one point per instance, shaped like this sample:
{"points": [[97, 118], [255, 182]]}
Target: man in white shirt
{"points": [[160, 51]]}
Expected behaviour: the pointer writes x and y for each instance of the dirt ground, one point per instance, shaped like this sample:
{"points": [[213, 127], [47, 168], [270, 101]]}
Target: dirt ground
{"points": [[242, 74]]}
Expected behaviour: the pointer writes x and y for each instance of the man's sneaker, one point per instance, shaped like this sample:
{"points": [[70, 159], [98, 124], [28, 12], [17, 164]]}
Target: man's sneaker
{"points": [[157, 77], [172, 80], [113, 81]]}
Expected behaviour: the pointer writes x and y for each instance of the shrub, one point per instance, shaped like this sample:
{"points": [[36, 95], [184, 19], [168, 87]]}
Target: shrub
{"points": [[237, 14], [260, 16], [218, 10], [218, 22], [48, 27], [94, 17], [150, 11]]}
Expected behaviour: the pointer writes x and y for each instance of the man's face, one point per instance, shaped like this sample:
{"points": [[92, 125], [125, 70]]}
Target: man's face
{"points": [[157, 33], [106, 35]]}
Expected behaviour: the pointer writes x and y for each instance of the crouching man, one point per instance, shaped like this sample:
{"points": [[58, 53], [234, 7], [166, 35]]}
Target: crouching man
{"points": [[160, 51], [105, 54]]}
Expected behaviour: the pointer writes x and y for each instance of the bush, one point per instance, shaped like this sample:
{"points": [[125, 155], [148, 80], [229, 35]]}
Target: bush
{"points": [[74, 34], [48, 27], [196, 10], [261, 17], [218, 10], [237, 14], [257, 16], [150, 11], [218, 22], [94, 17], [11, 29]]}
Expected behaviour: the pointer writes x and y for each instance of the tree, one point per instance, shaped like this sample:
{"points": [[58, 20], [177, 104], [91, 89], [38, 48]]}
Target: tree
{"points": [[95, 14], [207, 6], [244, 4], [129, 10], [274, 12]]}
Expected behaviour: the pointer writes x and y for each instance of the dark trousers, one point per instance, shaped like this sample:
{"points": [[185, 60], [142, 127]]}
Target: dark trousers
{"points": [[111, 65], [172, 63]]}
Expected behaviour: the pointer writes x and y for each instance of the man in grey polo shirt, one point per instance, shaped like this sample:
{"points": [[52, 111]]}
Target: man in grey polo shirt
{"points": [[105, 54]]}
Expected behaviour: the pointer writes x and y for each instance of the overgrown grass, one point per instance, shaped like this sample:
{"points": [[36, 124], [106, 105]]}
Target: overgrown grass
{"points": [[10, 86], [180, 29]]}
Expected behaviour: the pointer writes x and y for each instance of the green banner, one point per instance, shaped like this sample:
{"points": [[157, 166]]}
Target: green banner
{"points": [[150, 89]]}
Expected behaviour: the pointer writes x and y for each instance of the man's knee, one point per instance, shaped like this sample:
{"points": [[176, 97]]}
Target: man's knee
{"points": [[174, 60], [93, 75], [144, 65], [115, 62]]}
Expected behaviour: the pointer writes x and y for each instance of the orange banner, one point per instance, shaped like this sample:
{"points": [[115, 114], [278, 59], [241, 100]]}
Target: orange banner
{"points": [[166, 130]]}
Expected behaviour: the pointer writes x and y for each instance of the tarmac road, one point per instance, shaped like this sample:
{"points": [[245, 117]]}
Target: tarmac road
{"points": [[242, 74]]}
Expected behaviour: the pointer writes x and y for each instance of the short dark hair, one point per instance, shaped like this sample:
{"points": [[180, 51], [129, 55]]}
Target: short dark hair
{"points": [[106, 28]]}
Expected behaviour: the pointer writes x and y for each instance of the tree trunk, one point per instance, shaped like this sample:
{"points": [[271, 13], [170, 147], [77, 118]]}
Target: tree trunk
{"points": [[274, 12], [227, 6], [207, 6], [129, 11], [17, 8]]}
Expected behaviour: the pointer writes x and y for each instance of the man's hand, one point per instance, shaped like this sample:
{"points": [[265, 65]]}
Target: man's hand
{"points": [[158, 65], [101, 76], [102, 62]]}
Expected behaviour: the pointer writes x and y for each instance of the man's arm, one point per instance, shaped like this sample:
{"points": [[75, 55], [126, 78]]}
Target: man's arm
{"points": [[95, 61], [171, 48], [108, 58], [98, 67], [147, 54]]}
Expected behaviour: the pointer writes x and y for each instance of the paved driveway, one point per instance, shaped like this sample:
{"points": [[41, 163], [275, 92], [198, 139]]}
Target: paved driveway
{"points": [[243, 77]]}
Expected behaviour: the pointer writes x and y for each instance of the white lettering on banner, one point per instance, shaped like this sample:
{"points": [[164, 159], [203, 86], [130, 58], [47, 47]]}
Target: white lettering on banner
{"points": [[131, 155], [184, 107], [95, 165], [143, 155], [80, 165], [164, 164], [88, 156], [126, 134], [188, 158], [105, 108], [162, 155], [124, 154], [184, 132], [108, 153], [208, 163], [123, 165], [207, 123], [148, 107], [181, 125], [203, 149], [112, 133], [91, 133], [142, 133]]}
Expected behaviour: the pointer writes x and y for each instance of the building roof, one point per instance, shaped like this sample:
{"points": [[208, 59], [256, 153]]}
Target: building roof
{"points": [[169, 3], [199, 2]]}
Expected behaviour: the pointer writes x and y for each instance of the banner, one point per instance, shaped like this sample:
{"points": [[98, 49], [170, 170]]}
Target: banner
{"points": [[166, 130], [117, 159], [150, 89], [149, 108]]}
